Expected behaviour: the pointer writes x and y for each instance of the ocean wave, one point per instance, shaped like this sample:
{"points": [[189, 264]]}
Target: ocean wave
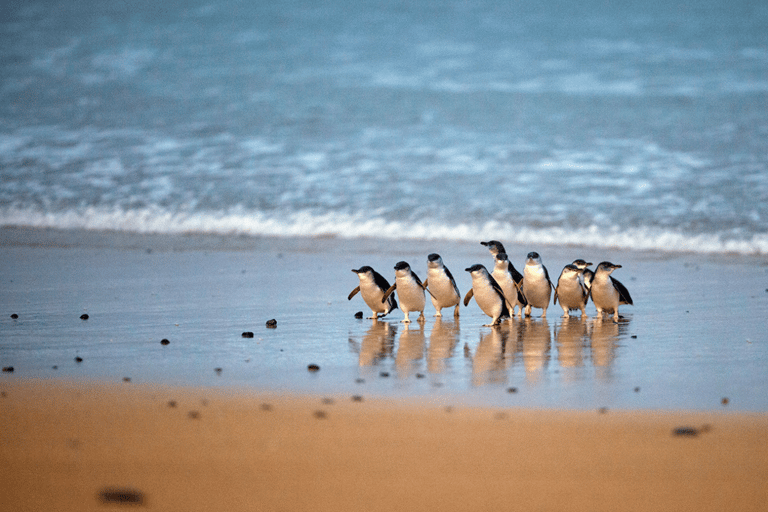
{"points": [[305, 223]]}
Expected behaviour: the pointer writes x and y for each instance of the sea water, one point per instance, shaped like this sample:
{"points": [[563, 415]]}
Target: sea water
{"points": [[638, 125]]}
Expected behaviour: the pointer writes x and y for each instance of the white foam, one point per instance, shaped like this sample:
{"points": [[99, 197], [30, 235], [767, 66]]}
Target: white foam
{"points": [[345, 225]]}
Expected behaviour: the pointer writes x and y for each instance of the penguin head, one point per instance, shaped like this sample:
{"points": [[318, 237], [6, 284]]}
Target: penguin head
{"points": [[607, 266], [401, 265], [494, 246], [572, 270], [582, 264], [434, 260], [363, 270], [533, 258], [476, 269]]}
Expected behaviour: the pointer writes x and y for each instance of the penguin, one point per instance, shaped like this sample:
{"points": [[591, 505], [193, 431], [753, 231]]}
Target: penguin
{"points": [[441, 285], [495, 247], [410, 290], [372, 288], [587, 275], [608, 293], [488, 294], [537, 287], [571, 291], [506, 281]]}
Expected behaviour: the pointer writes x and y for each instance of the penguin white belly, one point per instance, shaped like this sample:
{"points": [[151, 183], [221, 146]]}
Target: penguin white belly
{"points": [[605, 296], [441, 288], [508, 287], [411, 295], [488, 300], [372, 295], [570, 294], [536, 288]]}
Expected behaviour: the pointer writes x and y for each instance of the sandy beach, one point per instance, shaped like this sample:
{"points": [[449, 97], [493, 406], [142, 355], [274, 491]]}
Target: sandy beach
{"points": [[78, 446], [665, 410]]}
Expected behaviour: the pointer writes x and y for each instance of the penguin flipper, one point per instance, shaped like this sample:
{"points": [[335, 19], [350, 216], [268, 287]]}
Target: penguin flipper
{"points": [[624, 297], [388, 293], [520, 295], [354, 292], [468, 296]]}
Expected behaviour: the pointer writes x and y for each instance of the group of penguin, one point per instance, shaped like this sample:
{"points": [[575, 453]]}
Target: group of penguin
{"points": [[497, 293]]}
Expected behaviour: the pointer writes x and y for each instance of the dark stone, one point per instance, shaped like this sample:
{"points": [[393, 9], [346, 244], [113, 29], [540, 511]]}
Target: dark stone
{"points": [[313, 367], [194, 415], [126, 379], [637, 389], [271, 324], [511, 390], [218, 370], [172, 403], [360, 381], [78, 359], [724, 401], [685, 432], [420, 375], [84, 316], [127, 496], [357, 398], [359, 315], [384, 374], [164, 341], [14, 316], [8, 369], [321, 415], [247, 334], [634, 336]]}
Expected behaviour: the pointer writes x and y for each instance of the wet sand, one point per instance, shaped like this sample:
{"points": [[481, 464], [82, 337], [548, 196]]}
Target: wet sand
{"points": [[663, 411], [79, 446]]}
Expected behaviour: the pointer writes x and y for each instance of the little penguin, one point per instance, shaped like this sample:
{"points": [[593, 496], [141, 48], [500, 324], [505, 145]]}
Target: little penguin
{"points": [[537, 287], [571, 291], [495, 247], [410, 290], [506, 280], [372, 287], [588, 275], [488, 294], [441, 285], [608, 293]]}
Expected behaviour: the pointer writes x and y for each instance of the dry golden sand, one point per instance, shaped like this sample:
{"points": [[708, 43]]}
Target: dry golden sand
{"points": [[64, 444]]}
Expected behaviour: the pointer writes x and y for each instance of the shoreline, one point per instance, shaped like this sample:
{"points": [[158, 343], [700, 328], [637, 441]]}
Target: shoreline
{"points": [[74, 446], [673, 350]]}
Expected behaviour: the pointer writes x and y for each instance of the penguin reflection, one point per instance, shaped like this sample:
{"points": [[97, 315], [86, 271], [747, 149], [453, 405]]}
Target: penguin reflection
{"points": [[571, 338], [604, 339], [442, 342], [410, 348], [488, 362], [537, 341], [378, 343]]}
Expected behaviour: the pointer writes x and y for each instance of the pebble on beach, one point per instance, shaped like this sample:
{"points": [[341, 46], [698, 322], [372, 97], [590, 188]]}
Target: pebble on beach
{"points": [[122, 496], [685, 432], [8, 369], [271, 324], [78, 359], [14, 316], [164, 341], [313, 367], [84, 316], [359, 315], [247, 334]]}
